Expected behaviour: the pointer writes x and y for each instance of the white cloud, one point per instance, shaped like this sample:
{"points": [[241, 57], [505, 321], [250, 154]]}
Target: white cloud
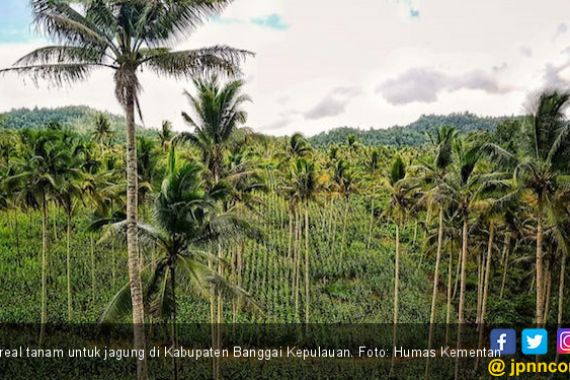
{"points": [[442, 61], [425, 85]]}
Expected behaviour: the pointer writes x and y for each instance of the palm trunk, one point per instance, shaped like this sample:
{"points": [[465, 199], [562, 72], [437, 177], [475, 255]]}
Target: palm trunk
{"points": [[307, 269], [370, 227], [17, 231], [68, 259], [290, 236], [212, 323], [487, 273], [461, 316], [297, 254], [485, 278], [480, 274], [457, 274], [435, 283], [397, 274], [505, 265], [539, 270], [561, 288], [344, 223], [173, 317], [449, 294], [54, 222], [561, 293], [463, 278], [92, 258], [396, 295], [546, 292], [132, 238], [45, 221]]}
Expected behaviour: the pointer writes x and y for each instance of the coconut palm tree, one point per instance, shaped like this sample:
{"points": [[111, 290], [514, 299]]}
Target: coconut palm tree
{"points": [[468, 190], [541, 164], [69, 195], [39, 178], [185, 220], [102, 133], [433, 174], [165, 135], [217, 114], [404, 194], [125, 37], [147, 160], [303, 185], [345, 184]]}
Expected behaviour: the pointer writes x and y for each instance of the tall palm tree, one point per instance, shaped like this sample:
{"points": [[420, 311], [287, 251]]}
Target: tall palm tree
{"points": [[304, 184], [434, 174], [185, 220], [345, 184], [39, 178], [68, 196], [404, 194], [147, 160], [125, 37], [217, 114], [541, 164], [165, 135], [102, 133], [467, 189]]}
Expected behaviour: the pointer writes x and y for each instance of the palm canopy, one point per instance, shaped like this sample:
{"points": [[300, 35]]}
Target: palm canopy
{"points": [[185, 220], [467, 188], [303, 182], [404, 192], [543, 153], [345, 181], [44, 167], [216, 115], [433, 172], [124, 36], [102, 133]]}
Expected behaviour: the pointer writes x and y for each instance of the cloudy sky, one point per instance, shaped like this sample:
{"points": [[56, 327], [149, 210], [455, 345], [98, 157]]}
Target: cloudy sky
{"points": [[322, 64]]}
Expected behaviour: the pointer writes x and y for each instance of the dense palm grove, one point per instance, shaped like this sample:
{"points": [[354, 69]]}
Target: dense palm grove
{"points": [[271, 229], [221, 224]]}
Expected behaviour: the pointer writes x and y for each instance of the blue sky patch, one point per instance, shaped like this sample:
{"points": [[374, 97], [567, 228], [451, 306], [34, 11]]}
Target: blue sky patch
{"points": [[15, 21], [273, 21]]}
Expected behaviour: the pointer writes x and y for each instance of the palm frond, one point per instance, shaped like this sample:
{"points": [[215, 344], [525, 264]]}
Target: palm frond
{"points": [[58, 74], [190, 63]]}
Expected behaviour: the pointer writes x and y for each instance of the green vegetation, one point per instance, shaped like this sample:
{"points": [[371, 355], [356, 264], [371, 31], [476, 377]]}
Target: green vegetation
{"points": [[312, 234], [414, 134], [224, 225], [78, 118]]}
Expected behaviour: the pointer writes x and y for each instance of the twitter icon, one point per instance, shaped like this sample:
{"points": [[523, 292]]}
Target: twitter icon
{"points": [[534, 341]]}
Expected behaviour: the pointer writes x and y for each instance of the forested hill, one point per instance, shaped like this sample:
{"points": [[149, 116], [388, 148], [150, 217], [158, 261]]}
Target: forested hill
{"points": [[412, 134], [82, 118], [78, 118]]}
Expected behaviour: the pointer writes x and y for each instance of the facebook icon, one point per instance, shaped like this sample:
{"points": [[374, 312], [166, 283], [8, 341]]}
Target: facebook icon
{"points": [[504, 341]]}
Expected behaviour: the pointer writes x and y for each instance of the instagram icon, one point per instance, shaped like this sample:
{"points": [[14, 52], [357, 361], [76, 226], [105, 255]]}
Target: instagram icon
{"points": [[563, 341]]}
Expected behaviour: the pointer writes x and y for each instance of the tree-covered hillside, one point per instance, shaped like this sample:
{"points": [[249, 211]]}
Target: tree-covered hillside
{"points": [[77, 118], [412, 134]]}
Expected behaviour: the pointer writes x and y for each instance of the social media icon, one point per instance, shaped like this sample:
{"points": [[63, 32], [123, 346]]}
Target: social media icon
{"points": [[504, 341], [534, 341], [563, 341]]}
